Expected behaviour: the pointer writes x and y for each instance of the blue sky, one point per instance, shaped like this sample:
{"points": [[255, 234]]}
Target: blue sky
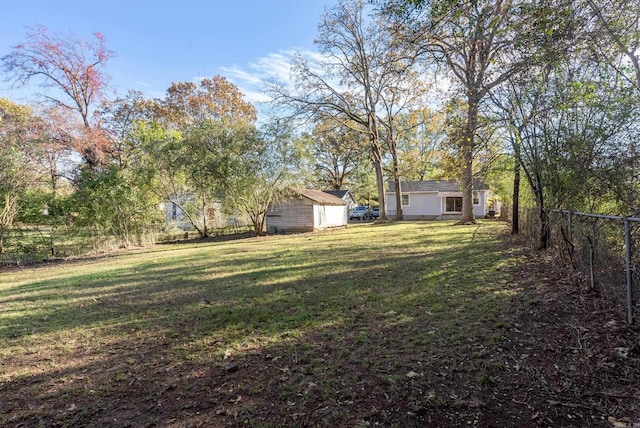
{"points": [[159, 42]]}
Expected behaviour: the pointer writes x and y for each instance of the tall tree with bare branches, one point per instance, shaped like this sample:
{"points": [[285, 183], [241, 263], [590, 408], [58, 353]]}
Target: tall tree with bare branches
{"points": [[73, 67], [360, 60], [479, 44]]}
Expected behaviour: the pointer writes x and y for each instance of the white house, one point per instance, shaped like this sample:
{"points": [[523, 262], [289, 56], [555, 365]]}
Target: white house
{"points": [[433, 199], [306, 210], [345, 195], [176, 217]]}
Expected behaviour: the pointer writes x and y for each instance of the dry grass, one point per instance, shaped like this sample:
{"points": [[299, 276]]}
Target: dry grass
{"points": [[372, 324]]}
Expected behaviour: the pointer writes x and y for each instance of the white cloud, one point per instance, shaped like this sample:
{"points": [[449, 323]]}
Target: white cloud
{"points": [[236, 73], [273, 67]]}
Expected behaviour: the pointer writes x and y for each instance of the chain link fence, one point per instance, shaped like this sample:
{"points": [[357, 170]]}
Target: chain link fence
{"points": [[604, 252], [601, 251], [35, 244]]}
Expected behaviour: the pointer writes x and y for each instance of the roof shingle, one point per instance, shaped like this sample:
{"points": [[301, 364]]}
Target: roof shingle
{"points": [[320, 197]]}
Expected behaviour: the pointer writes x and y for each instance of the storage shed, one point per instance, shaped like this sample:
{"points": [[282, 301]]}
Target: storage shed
{"points": [[306, 210]]}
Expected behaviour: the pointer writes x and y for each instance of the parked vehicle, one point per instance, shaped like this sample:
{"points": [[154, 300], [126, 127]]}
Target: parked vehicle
{"points": [[375, 213], [361, 212]]}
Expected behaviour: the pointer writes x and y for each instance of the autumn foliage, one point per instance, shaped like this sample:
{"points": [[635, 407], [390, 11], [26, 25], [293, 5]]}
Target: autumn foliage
{"points": [[71, 65]]}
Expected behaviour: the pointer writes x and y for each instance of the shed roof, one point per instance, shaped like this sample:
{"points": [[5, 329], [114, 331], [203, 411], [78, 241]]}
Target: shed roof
{"points": [[433, 186], [320, 197]]}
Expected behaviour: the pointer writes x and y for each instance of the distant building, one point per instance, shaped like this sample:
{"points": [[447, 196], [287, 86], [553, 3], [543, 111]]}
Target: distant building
{"points": [[345, 195], [434, 199], [306, 210]]}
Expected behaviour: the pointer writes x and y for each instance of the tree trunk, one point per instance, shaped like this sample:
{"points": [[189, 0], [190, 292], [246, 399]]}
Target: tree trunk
{"points": [[396, 178], [544, 229], [542, 215], [259, 222], [381, 196], [205, 224], [515, 210], [468, 145], [467, 188], [376, 154], [398, 190]]}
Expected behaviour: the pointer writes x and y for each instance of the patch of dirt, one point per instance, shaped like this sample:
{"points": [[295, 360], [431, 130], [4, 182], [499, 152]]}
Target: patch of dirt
{"points": [[564, 357], [560, 356]]}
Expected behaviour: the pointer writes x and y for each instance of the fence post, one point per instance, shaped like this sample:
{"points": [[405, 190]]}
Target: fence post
{"points": [[627, 245], [53, 252], [569, 236]]}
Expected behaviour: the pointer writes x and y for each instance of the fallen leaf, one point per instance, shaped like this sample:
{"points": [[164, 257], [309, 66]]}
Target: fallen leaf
{"points": [[623, 422], [623, 353]]}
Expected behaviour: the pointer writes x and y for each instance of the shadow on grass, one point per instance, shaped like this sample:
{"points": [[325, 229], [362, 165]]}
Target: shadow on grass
{"points": [[339, 329]]}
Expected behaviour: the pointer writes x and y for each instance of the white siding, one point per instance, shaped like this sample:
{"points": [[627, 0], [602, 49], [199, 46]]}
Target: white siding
{"points": [[290, 216], [327, 216], [422, 206], [428, 205], [297, 215], [480, 210]]}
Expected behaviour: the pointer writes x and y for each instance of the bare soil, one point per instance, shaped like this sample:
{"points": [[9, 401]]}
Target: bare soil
{"points": [[564, 357], [560, 356]]}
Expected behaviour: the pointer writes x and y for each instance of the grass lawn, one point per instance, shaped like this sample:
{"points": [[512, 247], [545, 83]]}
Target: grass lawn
{"points": [[400, 324]]}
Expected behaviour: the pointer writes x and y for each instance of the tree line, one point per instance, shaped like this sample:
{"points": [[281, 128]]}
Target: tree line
{"points": [[510, 92]]}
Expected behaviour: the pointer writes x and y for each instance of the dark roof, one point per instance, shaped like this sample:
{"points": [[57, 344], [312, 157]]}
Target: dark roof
{"points": [[433, 186], [320, 197], [337, 193]]}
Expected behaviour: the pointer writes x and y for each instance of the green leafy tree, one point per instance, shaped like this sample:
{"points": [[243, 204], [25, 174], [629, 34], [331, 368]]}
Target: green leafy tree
{"points": [[569, 124], [18, 172], [163, 156], [480, 44], [266, 169], [336, 149], [423, 131], [196, 138], [108, 200], [214, 157]]}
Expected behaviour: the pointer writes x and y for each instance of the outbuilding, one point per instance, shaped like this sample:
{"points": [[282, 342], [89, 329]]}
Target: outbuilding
{"points": [[306, 210], [345, 195]]}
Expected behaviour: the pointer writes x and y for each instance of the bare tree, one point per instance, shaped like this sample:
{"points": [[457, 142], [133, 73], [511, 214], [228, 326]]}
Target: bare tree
{"points": [[480, 44], [359, 61], [71, 65], [613, 28], [404, 93]]}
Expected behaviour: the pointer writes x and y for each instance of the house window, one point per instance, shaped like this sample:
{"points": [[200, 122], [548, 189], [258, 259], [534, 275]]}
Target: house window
{"points": [[476, 198], [405, 200], [453, 203]]}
